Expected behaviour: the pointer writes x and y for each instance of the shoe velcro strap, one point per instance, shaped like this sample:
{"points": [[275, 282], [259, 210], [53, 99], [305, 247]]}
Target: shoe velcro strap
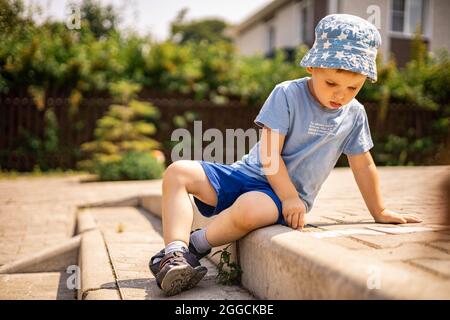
{"points": [[175, 257], [159, 255]]}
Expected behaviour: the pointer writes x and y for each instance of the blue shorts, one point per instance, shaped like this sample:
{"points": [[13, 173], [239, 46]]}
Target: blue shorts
{"points": [[229, 183]]}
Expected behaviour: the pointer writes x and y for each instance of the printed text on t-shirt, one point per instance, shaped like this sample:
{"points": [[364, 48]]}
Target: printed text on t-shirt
{"points": [[320, 129]]}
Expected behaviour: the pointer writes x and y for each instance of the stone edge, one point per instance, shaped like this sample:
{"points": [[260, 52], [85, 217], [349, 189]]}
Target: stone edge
{"points": [[299, 266], [98, 281]]}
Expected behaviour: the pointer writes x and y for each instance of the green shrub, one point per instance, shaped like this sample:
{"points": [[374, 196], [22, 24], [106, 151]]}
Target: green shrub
{"points": [[123, 146], [43, 149], [139, 165], [55, 59], [38, 60], [107, 170], [131, 166], [395, 150]]}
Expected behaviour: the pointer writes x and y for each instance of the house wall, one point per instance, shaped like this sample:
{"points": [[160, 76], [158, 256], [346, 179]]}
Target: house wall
{"points": [[360, 8], [287, 31], [253, 40], [287, 25], [286, 21], [440, 24]]}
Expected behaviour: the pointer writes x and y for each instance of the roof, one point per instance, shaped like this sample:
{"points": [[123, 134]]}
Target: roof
{"points": [[264, 13]]}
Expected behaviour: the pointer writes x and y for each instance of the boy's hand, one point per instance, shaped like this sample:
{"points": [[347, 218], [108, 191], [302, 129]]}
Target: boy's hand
{"points": [[388, 216], [294, 212]]}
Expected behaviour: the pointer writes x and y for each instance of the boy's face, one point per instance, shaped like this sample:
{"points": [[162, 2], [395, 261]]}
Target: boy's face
{"points": [[334, 88]]}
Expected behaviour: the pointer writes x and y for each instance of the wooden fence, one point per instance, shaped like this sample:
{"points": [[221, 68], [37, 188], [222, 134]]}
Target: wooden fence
{"points": [[20, 119]]}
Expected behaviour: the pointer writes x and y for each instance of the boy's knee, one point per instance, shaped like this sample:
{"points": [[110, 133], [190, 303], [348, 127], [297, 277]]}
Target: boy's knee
{"points": [[249, 214], [242, 220], [174, 172]]}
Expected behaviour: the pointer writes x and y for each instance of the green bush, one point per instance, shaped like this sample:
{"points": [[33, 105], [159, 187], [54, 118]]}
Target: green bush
{"points": [[123, 146], [107, 170], [131, 166], [46, 59], [51, 58], [139, 165], [408, 150], [43, 149]]}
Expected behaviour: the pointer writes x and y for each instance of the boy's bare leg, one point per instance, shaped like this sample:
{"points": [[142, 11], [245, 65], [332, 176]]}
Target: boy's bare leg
{"points": [[181, 178], [250, 211]]}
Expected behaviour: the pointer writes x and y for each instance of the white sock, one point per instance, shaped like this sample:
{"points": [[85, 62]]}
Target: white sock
{"points": [[173, 246], [176, 245], [198, 240]]}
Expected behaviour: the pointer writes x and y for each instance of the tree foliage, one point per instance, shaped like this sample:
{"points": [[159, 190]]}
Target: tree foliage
{"points": [[123, 146], [210, 30], [49, 59]]}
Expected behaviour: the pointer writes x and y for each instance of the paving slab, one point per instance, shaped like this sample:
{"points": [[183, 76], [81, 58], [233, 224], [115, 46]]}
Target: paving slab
{"points": [[421, 249], [132, 236], [35, 286], [38, 212]]}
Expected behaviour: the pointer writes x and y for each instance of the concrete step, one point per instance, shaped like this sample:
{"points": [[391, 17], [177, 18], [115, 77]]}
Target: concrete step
{"points": [[340, 256], [48, 274], [36, 286], [114, 258], [52, 259]]}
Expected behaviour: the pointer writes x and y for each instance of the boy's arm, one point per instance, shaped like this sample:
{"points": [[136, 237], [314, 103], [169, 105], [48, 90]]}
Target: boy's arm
{"points": [[274, 166], [276, 172], [366, 176]]}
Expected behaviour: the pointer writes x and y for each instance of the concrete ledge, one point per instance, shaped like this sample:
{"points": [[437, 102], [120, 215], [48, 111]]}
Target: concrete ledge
{"points": [[97, 276], [85, 222], [281, 263], [152, 203], [53, 259], [126, 202]]}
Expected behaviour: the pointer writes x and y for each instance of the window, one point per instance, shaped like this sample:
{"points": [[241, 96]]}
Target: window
{"points": [[398, 15], [303, 21], [306, 31], [271, 38], [407, 16]]}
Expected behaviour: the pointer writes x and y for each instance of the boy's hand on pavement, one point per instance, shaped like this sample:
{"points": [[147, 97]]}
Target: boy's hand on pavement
{"points": [[294, 212], [389, 216]]}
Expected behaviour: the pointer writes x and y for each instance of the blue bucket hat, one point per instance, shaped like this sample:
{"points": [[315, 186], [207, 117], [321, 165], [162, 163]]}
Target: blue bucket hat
{"points": [[346, 42]]}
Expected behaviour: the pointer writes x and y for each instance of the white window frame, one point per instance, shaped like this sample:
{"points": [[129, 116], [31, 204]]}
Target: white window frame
{"points": [[271, 45], [408, 34], [333, 6], [310, 16]]}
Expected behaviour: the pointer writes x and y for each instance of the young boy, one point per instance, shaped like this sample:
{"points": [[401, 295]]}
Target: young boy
{"points": [[312, 121]]}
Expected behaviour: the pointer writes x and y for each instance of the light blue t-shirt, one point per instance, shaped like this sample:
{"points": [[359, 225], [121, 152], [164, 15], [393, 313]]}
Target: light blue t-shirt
{"points": [[315, 137]]}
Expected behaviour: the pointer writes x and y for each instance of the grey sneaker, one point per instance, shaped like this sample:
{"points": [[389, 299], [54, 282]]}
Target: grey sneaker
{"points": [[179, 271], [154, 266]]}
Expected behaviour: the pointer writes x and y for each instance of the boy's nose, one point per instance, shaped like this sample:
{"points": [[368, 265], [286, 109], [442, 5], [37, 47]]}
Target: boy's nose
{"points": [[338, 97]]}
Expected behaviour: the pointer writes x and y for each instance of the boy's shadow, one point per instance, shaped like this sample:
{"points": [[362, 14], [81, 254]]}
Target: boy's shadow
{"points": [[152, 291], [148, 284]]}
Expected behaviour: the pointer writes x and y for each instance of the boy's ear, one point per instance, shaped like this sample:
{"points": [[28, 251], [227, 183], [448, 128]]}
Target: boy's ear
{"points": [[309, 70]]}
